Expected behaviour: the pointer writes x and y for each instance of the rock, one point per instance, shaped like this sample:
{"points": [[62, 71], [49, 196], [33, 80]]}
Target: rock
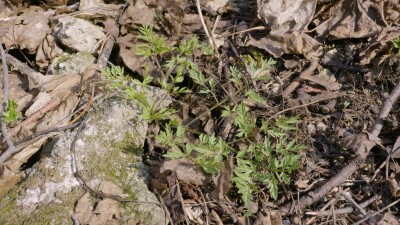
{"points": [[71, 63], [78, 34], [108, 156]]}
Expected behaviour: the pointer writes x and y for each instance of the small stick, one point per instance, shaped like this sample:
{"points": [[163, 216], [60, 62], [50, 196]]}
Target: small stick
{"points": [[210, 39], [377, 212], [347, 196], [6, 88], [182, 202], [345, 210]]}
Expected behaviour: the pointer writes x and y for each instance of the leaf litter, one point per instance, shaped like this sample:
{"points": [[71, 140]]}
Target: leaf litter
{"points": [[351, 41]]}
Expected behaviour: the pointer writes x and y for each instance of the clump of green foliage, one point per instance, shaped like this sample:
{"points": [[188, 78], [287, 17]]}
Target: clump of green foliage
{"points": [[266, 150], [11, 113], [396, 44]]}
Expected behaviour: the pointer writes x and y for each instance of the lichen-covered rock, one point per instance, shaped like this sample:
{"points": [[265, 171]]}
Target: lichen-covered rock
{"points": [[78, 34], [71, 63], [108, 156]]}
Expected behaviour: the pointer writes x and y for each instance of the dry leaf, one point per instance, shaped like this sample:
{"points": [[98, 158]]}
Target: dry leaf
{"points": [[298, 43], [395, 152], [130, 59], [223, 181], [185, 170], [285, 17], [8, 178], [219, 6], [110, 188], [28, 30], [346, 19], [83, 209], [47, 51], [138, 14], [388, 219], [40, 101]]}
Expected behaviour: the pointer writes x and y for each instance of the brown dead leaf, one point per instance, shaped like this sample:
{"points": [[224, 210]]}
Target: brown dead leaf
{"points": [[219, 6], [395, 152], [346, 19], [379, 45], [393, 185], [8, 178], [47, 51], [185, 170], [285, 17], [106, 211], [28, 30], [298, 43], [97, 9], [58, 87], [110, 188], [130, 59], [223, 181], [40, 101], [18, 86], [388, 219], [83, 209], [138, 14]]}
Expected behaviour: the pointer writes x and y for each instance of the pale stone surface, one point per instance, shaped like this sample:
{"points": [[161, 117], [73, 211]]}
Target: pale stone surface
{"points": [[109, 149], [78, 34], [71, 63]]}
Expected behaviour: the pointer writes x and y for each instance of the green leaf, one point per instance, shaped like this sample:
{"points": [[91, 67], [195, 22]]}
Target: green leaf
{"points": [[273, 187], [174, 154], [255, 96], [396, 43], [11, 114]]}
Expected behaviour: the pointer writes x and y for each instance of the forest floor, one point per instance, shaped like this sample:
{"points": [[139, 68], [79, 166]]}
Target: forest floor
{"points": [[282, 113]]}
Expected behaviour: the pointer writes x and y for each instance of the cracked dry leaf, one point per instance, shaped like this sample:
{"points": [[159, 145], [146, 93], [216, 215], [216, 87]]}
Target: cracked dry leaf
{"points": [[83, 209], [8, 178], [223, 181], [110, 188], [138, 14], [106, 211], [271, 217], [18, 85], [285, 17], [134, 62], [185, 170], [219, 6], [298, 43], [28, 30], [97, 9], [346, 19], [47, 51], [395, 152]]}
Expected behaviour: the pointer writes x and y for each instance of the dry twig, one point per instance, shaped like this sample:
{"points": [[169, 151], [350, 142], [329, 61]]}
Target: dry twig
{"points": [[11, 148]]}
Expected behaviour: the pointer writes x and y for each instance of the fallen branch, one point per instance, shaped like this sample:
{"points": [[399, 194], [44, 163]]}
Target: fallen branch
{"points": [[361, 144]]}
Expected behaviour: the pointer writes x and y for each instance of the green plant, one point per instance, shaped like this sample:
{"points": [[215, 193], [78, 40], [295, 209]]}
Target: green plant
{"points": [[11, 114], [135, 89], [396, 43], [266, 151]]}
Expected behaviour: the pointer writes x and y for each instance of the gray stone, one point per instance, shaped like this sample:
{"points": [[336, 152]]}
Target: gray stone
{"points": [[78, 34], [71, 63], [108, 149]]}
